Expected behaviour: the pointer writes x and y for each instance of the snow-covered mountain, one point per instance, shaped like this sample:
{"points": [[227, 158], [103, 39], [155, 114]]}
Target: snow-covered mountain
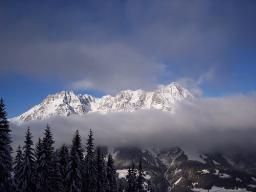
{"points": [[66, 103]]}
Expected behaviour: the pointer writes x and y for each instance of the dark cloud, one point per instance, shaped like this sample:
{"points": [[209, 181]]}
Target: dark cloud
{"points": [[206, 124], [111, 46], [108, 67]]}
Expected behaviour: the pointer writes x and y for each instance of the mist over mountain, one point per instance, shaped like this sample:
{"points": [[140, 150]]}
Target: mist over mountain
{"points": [[171, 116]]}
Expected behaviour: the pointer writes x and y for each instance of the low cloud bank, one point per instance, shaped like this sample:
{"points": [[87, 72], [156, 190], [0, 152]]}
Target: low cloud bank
{"points": [[227, 123]]}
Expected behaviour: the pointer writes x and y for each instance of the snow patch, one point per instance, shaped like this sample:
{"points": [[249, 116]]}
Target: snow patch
{"points": [[195, 156], [254, 178], [177, 182], [219, 189], [122, 173], [204, 171], [224, 176], [252, 186], [216, 163], [238, 179]]}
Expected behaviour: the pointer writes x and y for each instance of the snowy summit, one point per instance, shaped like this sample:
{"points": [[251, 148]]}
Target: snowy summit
{"points": [[67, 103]]}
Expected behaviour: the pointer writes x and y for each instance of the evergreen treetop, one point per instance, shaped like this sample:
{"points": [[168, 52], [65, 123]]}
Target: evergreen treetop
{"points": [[28, 164], [140, 178], [111, 175], [18, 169], [5, 150], [74, 174]]}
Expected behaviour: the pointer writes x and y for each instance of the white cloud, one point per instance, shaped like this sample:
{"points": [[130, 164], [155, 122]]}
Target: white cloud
{"points": [[194, 85], [207, 124], [83, 84]]}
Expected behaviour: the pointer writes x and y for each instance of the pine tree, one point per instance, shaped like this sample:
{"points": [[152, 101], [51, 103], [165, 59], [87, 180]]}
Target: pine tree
{"points": [[63, 163], [74, 175], [150, 187], [140, 178], [101, 172], [39, 150], [39, 165], [56, 179], [111, 175], [17, 169], [28, 165], [131, 179], [5, 151], [129, 186], [121, 185], [47, 163], [89, 179], [78, 143]]}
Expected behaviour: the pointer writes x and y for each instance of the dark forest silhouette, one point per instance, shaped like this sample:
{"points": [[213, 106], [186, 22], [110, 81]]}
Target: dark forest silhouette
{"points": [[70, 168]]}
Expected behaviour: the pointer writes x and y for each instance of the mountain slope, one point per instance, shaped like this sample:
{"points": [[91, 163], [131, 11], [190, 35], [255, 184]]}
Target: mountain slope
{"points": [[68, 103], [176, 170]]}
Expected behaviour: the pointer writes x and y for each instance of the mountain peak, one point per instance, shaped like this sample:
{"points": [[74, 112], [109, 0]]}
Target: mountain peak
{"points": [[66, 103]]}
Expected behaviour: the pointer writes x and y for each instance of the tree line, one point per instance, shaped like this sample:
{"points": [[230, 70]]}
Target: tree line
{"points": [[74, 168]]}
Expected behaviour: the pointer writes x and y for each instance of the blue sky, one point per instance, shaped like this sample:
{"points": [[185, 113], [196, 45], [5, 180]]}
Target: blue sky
{"points": [[102, 47]]}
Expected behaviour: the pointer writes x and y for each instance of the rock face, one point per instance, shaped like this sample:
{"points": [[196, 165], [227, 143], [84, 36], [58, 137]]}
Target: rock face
{"points": [[175, 170], [67, 103]]}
